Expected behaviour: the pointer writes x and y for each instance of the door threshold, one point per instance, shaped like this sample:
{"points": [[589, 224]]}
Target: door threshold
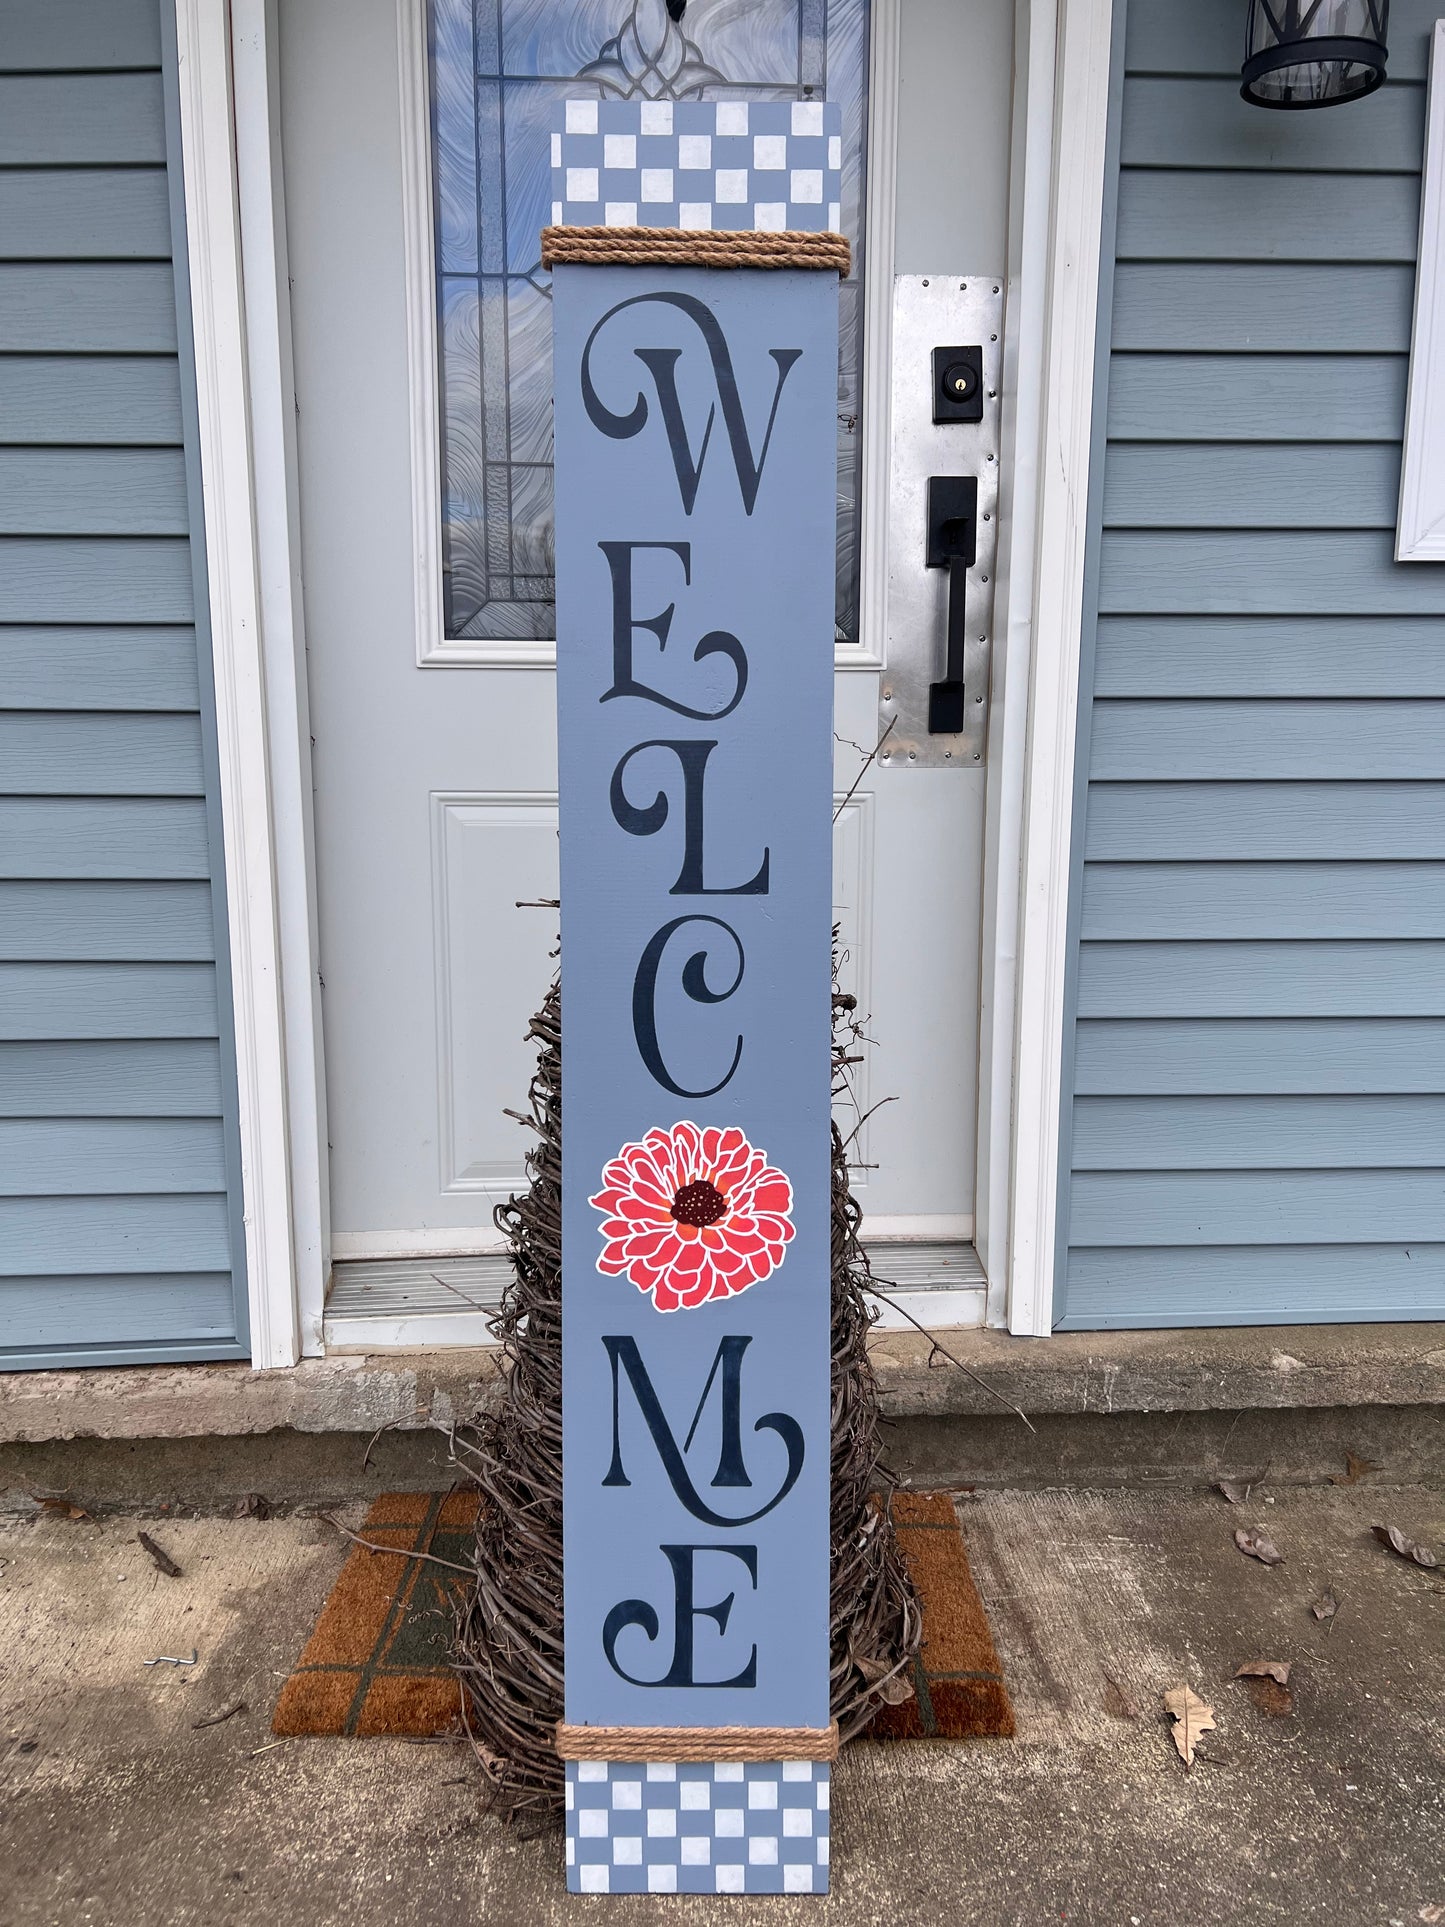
{"points": [[422, 1304]]}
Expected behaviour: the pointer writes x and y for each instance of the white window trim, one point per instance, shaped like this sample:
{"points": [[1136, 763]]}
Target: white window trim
{"points": [[1044, 625], [434, 649], [1420, 525]]}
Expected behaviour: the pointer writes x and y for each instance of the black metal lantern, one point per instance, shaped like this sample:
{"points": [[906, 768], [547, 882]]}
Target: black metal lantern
{"points": [[1312, 53]]}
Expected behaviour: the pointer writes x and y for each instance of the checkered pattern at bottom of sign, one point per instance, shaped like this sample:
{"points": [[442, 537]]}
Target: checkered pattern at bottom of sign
{"points": [[719, 1827]]}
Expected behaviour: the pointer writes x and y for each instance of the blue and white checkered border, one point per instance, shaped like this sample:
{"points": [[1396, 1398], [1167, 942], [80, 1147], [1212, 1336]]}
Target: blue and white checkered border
{"points": [[705, 1827], [757, 165]]}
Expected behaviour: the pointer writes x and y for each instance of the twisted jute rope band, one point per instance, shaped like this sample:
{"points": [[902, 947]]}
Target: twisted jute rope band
{"points": [[660, 1743], [693, 248]]}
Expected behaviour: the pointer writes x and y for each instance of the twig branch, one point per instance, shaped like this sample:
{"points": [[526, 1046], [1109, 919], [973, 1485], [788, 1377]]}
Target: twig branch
{"points": [[870, 758], [968, 1370], [397, 1552]]}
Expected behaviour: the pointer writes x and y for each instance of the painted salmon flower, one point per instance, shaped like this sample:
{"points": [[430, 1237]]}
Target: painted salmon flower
{"points": [[693, 1214]]}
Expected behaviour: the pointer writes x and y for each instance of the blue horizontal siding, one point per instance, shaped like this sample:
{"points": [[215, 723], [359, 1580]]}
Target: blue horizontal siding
{"points": [[99, 400], [1253, 308], [105, 307], [1307, 656], [1255, 1133], [1128, 822], [78, 35], [82, 578], [85, 214], [132, 1319], [93, 491], [1203, 123], [117, 1234], [104, 837], [1261, 979], [1200, 740], [1242, 399], [1205, 485], [120, 1225], [60, 922], [1172, 214], [110, 667], [55, 1001], [150, 1078], [1223, 901], [39, 1157], [1257, 1207], [1273, 572], [101, 755], [1160, 1057], [1301, 1284], [74, 119]]}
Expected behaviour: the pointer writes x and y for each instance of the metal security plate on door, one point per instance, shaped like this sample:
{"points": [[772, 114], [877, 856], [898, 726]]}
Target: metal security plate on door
{"points": [[947, 356]]}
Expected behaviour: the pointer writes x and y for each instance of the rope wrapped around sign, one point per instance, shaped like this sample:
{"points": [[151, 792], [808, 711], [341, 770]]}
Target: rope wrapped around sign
{"points": [[508, 1646], [631, 247], [698, 1742]]}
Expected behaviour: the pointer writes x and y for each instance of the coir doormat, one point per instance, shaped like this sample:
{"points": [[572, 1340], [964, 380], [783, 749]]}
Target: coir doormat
{"points": [[376, 1662]]}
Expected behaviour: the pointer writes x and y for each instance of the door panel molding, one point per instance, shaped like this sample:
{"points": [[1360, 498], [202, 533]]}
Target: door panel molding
{"points": [[484, 854]]}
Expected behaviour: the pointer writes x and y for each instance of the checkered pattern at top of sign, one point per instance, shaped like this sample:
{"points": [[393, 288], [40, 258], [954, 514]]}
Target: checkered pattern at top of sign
{"points": [[697, 1828], [755, 165]]}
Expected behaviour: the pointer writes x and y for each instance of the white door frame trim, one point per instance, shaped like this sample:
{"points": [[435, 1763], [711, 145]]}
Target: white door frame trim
{"points": [[1045, 620], [1025, 313], [267, 294], [253, 908]]}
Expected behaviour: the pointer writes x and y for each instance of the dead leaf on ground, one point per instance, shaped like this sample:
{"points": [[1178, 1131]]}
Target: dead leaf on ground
{"points": [[1326, 1606], [1238, 1490], [1270, 1697], [894, 1691], [252, 1505], [1117, 1701], [1355, 1470], [1410, 1549], [1267, 1681], [1257, 1544], [1191, 1716], [1265, 1669], [64, 1508]]}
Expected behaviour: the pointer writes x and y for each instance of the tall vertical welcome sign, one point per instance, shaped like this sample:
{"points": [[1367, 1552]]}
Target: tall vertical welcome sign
{"points": [[696, 421]]}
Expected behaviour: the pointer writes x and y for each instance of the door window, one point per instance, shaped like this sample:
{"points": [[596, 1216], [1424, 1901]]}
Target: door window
{"points": [[497, 67]]}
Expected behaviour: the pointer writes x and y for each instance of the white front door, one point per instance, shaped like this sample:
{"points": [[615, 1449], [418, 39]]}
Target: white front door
{"points": [[425, 494]]}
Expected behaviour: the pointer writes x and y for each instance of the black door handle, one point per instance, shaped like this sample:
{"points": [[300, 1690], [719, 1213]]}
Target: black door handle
{"points": [[952, 544]]}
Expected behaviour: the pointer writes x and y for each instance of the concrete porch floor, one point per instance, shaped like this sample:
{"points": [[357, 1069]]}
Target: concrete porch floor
{"points": [[114, 1807]]}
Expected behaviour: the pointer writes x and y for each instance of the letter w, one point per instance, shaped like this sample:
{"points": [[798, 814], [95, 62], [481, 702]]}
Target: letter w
{"points": [[731, 1471], [661, 364]]}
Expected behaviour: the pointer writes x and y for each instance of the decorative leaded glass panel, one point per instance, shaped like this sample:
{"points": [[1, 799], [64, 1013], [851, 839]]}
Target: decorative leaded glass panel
{"points": [[496, 68]]}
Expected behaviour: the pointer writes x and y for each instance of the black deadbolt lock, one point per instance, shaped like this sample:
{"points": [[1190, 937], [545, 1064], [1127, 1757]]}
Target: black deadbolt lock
{"points": [[958, 384]]}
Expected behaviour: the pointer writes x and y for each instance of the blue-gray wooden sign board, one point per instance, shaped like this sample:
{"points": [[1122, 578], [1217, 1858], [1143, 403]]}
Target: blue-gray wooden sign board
{"points": [[695, 517]]}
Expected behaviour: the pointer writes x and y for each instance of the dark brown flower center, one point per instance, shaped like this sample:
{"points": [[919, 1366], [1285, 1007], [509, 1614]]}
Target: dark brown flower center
{"points": [[699, 1203]]}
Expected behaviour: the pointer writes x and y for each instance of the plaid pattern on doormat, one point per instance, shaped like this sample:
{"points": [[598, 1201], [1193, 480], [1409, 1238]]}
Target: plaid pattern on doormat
{"points": [[958, 1685], [376, 1662]]}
